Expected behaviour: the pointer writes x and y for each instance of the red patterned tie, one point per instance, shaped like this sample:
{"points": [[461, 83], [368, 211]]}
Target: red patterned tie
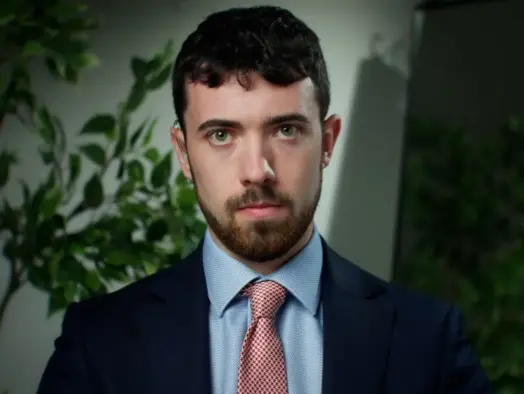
{"points": [[262, 367]]}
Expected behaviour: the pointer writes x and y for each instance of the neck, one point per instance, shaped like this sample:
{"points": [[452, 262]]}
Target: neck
{"points": [[268, 267]]}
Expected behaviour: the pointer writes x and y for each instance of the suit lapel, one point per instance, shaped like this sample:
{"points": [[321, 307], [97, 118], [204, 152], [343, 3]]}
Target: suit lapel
{"points": [[357, 328], [174, 330]]}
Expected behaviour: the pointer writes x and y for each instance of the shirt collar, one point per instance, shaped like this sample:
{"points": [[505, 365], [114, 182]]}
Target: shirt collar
{"points": [[225, 276]]}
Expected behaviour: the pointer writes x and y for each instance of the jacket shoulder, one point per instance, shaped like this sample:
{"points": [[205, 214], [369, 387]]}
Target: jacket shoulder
{"points": [[123, 301]]}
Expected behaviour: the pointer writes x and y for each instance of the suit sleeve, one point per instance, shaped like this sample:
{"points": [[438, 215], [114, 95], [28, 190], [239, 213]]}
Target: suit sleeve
{"points": [[66, 371], [462, 372]]}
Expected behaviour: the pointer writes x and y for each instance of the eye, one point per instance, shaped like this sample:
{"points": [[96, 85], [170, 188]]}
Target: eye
{"points": [[219, 137], [288, 131]]}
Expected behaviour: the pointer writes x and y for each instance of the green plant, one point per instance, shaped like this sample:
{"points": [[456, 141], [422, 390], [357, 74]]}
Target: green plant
{"points": [[73, 236], [52, 31], [464, 202]]}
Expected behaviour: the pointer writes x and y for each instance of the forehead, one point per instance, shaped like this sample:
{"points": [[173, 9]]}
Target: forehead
{"points": [[249, 106]]}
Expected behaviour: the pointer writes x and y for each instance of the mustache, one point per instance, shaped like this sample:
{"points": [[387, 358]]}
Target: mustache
{"points": [[258, 194]]}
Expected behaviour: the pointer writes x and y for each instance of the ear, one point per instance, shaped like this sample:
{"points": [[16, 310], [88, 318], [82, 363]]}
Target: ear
{"points": [[332, 126], [179, 143]]}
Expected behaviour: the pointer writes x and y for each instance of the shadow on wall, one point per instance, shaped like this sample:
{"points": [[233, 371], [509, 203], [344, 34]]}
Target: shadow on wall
{"points": [[366, 200]]}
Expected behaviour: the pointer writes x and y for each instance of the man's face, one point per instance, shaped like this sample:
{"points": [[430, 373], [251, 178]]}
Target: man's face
{"points": [[256, 158]]}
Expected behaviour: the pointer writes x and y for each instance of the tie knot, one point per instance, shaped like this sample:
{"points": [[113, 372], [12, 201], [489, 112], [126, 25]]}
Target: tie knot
{"points": [[265, 297]]}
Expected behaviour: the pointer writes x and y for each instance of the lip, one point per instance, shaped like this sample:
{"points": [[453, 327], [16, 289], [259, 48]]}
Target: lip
{"points": [[263, 210], [260, 205]]}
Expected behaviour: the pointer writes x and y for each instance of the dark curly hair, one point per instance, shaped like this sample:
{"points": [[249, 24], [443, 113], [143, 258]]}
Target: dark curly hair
{"points": [[266, 40]]}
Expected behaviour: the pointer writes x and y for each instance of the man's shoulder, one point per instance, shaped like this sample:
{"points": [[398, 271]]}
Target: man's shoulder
{"points": [[124, 301], [407, 302], [417, 305], [417, 315]]}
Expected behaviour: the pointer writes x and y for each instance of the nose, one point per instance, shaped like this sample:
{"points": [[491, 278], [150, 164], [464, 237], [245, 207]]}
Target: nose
{"points": [[255, 166]]}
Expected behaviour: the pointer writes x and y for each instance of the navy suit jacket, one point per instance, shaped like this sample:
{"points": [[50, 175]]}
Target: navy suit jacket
{"points": [[152, 337]]}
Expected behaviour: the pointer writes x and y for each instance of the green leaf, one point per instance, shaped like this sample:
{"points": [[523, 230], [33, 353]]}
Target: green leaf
{"points": [[21, 74], [74, 168], [159, 59], [70, 292], [138, 132], [100, 124], [46, 127], [68, 45], [94, 152], [160, 79], [139, 68], [82, 24], [44, 235], [56, 67], [168, 50], [199, 228], [149, 132], [93, 281], [121, 169], [71, 74], [71, 270], [123, 130], [181, 179], [117, 257], [27, 98], [6, 19], [138, 210], [186, 199], [6, 159], [155, 63], [93, 192], [26, 192], [61, 135], [125, 190], [39, 277], [38, 199], [112, 273], [57, 301], [153, 155], [135, 170], [54, 264], [149, 267], [32, 48], [83, 60], [161, 172], [48, 156], [136, 96], [121, 143], [65, 11], [51, 202], [157, 230], [51, 32]]}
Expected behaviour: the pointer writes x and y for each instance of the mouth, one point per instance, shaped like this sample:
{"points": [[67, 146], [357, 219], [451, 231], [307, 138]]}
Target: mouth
{"points": [[259, 205], [261, 210]]}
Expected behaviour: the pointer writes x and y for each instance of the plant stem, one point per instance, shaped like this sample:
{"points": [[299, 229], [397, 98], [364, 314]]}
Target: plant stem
{"points": [[13, 285]]}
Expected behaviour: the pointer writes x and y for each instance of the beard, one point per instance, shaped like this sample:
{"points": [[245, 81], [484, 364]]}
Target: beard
{"points": [[261, 240]]}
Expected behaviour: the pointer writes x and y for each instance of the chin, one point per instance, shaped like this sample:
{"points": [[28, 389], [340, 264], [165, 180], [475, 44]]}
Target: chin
{"points": [[261, 224]]}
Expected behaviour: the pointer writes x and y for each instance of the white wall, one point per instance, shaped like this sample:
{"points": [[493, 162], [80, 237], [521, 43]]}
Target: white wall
{"points": [[358, 206]]}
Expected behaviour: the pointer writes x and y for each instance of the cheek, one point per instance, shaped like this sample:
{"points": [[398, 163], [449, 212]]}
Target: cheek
{"points": [[300, 174], [213, 180]]}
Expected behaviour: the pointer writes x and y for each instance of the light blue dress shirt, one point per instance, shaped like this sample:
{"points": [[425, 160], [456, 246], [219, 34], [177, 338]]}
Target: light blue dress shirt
{"points": [[299, 321]]}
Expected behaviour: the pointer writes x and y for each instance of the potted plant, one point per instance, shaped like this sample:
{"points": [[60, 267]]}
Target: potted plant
{"points": [[147, 223], [463, 209]]}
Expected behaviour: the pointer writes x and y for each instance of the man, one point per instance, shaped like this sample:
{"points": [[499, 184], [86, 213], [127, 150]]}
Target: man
{"points": [[263, 305]]}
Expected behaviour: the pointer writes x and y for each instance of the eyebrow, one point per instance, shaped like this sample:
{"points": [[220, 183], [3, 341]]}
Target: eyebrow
{"points": [[225, 123]]}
